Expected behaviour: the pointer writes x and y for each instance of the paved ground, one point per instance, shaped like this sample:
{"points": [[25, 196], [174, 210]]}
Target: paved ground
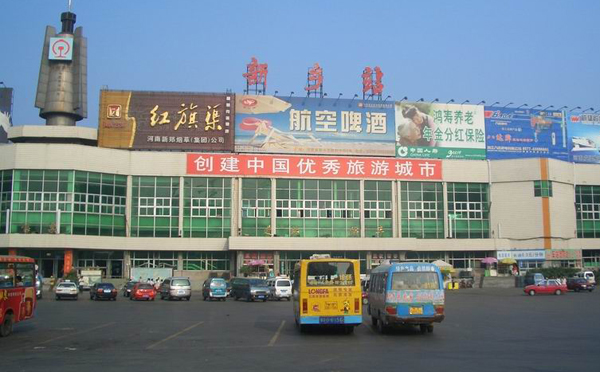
{"points": [[485, 330]]}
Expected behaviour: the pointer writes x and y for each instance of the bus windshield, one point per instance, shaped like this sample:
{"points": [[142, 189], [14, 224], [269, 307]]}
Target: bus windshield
{"points": [[415, 281], [321, 274]]}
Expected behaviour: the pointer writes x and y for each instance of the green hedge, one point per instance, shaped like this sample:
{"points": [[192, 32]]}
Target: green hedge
{"points": [[557, 272]]}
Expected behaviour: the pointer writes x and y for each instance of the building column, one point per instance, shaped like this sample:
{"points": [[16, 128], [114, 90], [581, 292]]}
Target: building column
{"points": [[127, 264], [447, 225], [274, 207], [396, 212], [128, 206], [180, 261], [361, 192], [236, 207], [276, 263], [239, 262]]}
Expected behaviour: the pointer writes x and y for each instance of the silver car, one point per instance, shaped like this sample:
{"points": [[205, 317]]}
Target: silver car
{"points": [[66, 290], [176, 287]]}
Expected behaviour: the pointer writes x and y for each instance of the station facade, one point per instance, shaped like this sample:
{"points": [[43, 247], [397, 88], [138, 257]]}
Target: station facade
{"points": [[117, 210]]}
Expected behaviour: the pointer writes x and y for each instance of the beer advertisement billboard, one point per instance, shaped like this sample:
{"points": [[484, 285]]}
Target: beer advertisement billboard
{"points": [[166, 121], [303, 125]]}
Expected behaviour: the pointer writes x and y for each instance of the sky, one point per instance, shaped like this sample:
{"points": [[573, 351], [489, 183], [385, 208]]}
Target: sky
{"points": [[521, 51]]}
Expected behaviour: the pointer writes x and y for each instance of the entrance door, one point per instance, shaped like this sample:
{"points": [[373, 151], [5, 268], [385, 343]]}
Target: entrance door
{"points": [[61, 268], [47, 269]]}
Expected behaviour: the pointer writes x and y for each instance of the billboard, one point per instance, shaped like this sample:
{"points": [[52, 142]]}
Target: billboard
{"points": [[584, 138], [524, 133], [6, 95], [166, 121], [302, 125], [440, 131], [310, 166]]}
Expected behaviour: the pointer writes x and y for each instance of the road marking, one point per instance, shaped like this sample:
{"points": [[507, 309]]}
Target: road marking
{"points": [[276, 336], [174, 335], [77, 333]]}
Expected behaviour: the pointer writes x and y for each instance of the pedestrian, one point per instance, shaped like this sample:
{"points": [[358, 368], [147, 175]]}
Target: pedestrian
{"points": [[52, 282]]}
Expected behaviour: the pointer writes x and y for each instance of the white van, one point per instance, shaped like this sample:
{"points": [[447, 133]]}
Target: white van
{"points": [[587, 275], [281, 287]]}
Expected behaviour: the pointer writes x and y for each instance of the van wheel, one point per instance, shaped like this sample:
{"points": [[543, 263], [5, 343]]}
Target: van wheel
{"points": [[577, 289], [430, 328], [374, 321], [532, 292], [7, 326], [248, 299], [382, 328], [557, 292], [204, 298], [423, 328]]}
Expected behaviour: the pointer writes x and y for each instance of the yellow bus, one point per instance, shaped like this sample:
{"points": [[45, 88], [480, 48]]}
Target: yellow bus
{"points": [[327, 293]]}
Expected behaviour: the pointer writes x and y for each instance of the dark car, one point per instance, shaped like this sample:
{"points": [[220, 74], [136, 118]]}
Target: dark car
{"points": [[250, 289], [579, 284], [103, 291], [127, 287]]}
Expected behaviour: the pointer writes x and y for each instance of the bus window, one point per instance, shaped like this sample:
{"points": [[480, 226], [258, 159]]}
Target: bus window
{"points": [[26, 273], [7, 276], [414, 280], [330, 274]]}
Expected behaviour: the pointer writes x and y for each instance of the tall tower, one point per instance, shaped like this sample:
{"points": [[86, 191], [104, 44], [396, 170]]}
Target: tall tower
{"points": [[62, 84]]}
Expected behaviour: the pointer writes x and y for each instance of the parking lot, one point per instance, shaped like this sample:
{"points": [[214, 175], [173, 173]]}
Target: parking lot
{"points": [[487, 329]]}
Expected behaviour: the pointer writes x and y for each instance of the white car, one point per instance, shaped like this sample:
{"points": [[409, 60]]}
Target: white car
{"points": [[280, 288], [66, 290]]}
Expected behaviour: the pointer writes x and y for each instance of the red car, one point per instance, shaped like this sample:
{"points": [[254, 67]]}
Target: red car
{"points": [[549, 286], [143, 291]]}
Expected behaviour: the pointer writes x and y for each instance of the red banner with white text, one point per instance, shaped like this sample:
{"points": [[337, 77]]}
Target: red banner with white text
{"points": [[233, 165]]}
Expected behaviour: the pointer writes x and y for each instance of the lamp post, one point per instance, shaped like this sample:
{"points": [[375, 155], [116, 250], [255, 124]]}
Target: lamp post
{"points": [[523, 105], [536, 106], [451, 101], [549, 107], [480, 102], [386, 98], [508, 104], [435, 100], [576, 108], [494, 104]]}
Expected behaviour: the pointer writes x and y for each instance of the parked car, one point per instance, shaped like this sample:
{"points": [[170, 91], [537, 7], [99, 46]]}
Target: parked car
{"points": [[142, 291], [549, 286], [580, 284], [588, 275], [39, 286], [280, 288], [176, 287], [214, 288], [103, 291], [128, 286], [249, 289], [533, 278], [66, 290]]}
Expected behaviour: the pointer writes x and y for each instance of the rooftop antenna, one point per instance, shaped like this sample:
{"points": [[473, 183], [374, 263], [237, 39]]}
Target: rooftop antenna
{"points": [[70, 4]]}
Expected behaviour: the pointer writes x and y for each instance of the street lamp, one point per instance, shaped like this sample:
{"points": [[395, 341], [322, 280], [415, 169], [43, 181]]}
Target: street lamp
{"points": [[451, 101], [494, 104], [435, 100], [523, 105], [576, 108], [587, 109], [480, 102], [510, 103], [465, 101]]}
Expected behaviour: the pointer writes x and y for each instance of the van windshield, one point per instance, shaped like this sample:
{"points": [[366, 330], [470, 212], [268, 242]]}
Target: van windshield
{"points": [[258, 282], [415, 281], [218, 283], [330, 274], [180, 282], [283, 283]]}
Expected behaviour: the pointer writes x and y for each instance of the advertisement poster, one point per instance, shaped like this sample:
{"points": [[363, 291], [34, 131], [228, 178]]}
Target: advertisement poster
{"points": [[584, 138], [439, 131], [301, 125], [166, 121], [234, 165], [6, 95], [524, 133]]}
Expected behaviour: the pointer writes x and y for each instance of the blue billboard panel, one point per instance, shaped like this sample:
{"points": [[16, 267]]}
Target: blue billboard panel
{"points": [[524, 133], [584, 138], [302, 125]]}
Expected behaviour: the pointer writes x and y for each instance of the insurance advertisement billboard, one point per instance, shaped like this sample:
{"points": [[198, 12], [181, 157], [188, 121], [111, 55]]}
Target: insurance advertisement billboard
{"points": [[311, 166], [584, 137], [6, 95], [440, 131], [301, 125], [524, 133], [166, 121]]}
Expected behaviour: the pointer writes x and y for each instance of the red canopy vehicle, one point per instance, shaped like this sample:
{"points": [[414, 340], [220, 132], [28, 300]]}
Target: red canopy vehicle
{"points": [[17, 291]]}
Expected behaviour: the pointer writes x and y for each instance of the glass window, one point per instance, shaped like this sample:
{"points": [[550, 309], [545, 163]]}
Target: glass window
{"points": [[7, 275], [421, 210], [155, 207], [468, 210], [415, 281], [322, 274], [542, 189]]}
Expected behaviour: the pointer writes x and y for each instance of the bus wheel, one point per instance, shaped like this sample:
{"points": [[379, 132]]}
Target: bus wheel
{"points": [[423, 328], [348, 330], [373, 321], [430, 328], [7, 326]]}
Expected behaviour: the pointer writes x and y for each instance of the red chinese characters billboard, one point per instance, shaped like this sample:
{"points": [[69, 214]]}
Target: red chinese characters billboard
{"points": [[166, 121], [234, 165]]}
